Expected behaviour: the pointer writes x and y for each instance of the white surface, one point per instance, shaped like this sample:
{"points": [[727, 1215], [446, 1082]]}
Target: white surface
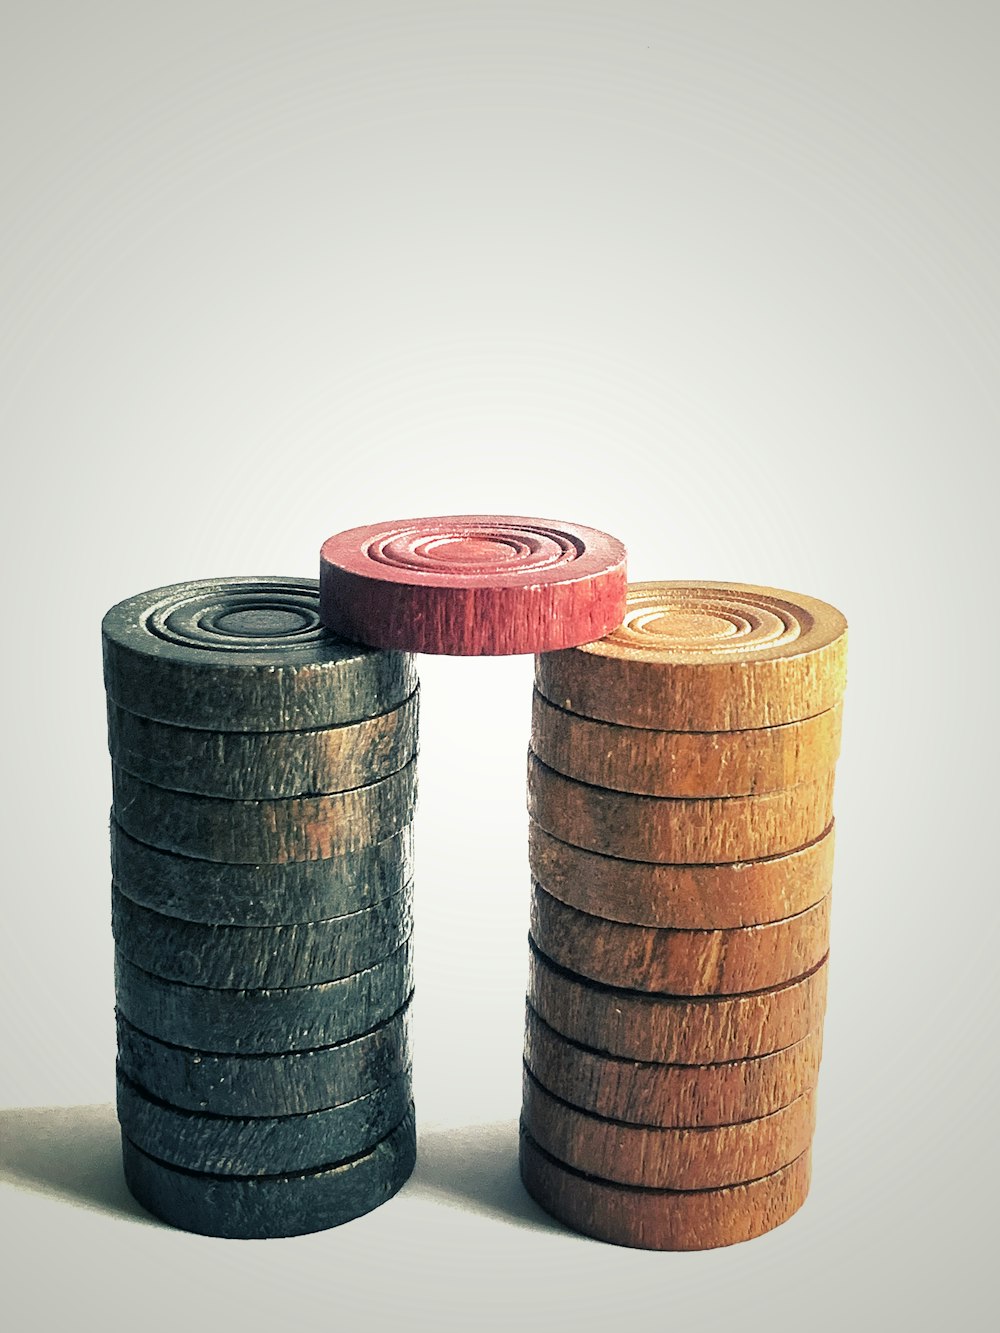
{"points": [[719, 278]]}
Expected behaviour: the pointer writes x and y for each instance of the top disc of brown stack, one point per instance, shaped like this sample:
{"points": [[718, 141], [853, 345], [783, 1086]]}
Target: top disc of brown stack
{"points": [[705, 657], [472, 584]]}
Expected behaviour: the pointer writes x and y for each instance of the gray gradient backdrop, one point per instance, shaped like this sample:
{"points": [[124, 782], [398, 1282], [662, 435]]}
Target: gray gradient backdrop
{"points": [[721, 278]]}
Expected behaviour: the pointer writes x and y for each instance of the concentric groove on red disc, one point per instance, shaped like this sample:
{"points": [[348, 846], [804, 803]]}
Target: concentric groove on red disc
{"points": [[487, 551]]}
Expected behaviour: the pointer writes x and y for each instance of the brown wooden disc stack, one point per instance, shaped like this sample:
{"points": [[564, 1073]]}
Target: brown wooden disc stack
{"points": [[680, 786]]}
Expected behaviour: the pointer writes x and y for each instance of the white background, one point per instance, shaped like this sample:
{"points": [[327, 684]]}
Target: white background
{"points": [[719, 278]]}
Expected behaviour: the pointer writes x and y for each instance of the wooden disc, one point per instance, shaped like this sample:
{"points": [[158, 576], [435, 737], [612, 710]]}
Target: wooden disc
{"points": [[262, 765], [297, 828], [644, 1093], [649, 1219], [680, 962], [266, 1085], [692, 897], [669, 1030], [247, 1022], [259, 1207], [244, 654], [684, 763], [678, 830], [260, 1145], [223, 894], [669, 1159], [245, 957], [472, 584], [705, 657]]}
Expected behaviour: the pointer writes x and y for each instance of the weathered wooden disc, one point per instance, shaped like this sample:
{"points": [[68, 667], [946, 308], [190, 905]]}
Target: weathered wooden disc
{"points": [[296, 828], [244, 654], [263, 765], [266, 1085], [644, 1093], [684, 763], [705, 657], [680, 962], [472, 584], [669, 1159], [245, 957], [285, 893], [649, 1219], [266, 1021], [671, 1030], [678, 830], [260, 1145], [684, 897], [258, 1207]]}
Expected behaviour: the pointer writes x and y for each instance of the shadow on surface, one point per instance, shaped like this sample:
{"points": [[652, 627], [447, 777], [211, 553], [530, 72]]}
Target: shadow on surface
{"points": [[74, 1153], [68, 1152], [475, 1167]]}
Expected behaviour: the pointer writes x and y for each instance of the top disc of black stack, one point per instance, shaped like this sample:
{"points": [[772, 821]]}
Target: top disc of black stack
{"points": [[244, 654]]}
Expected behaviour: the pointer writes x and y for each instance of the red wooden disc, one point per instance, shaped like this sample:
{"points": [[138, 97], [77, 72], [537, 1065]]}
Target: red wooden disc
{"points": [[472, 584]]}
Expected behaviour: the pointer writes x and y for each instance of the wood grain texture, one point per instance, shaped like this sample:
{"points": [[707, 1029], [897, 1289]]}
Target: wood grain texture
{"points": [[656, 1158], [288, 1084], [678, 830], [244, 654], [684, 763], [680, 962], [682, 897], [263, 765], [266, 1021], [245, 957], [217, 893], [260, 1145], [297, 828], [472, 584], [668, 1030], [663, 1219], [644, 1093], [258, 1207], [705, 657]]}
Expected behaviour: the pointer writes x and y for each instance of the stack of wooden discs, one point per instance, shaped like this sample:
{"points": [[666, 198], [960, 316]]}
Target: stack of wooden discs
{"points": [[264, 788], [681, 845]]}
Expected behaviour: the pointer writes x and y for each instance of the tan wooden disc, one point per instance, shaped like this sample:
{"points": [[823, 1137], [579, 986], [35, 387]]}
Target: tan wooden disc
{"points": [[684, 763], [669, 1030], [644, 1093], [650, 1219], [692, 897], [705, 656], [678, 830], [680, 962], [668, 1159]]}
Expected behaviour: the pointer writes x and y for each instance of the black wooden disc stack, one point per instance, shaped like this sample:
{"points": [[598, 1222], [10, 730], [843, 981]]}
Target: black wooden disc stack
{"points": [[264, 788]]}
